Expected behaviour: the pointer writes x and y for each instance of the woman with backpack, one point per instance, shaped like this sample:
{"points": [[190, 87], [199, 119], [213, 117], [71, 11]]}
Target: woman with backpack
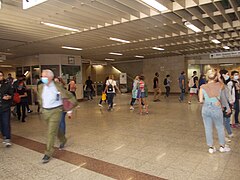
{"points": [[166, 83]]}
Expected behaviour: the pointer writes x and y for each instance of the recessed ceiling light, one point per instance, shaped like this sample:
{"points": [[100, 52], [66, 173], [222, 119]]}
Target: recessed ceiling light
{"points": [[226, 47], [159, 49], [5, 66], [155, 5], [108, 59], [215, 41], [192, 27], [137, 56], [119, 40], [60, 27], [72, 48], [117, 54]]}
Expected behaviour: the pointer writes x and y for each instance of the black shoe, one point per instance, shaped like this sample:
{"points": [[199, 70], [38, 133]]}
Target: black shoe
{"points": [[62, 145], [45, 159]]}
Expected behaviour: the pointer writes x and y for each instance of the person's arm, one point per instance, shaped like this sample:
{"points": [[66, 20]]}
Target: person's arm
{"points": [[224, 102], [24, 95], [183, 83], [106, 88], [231, 91], [200, 95], [9, 93]]}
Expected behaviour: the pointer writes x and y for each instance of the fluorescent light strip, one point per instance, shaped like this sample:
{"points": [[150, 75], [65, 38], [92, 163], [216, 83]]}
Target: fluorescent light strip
{"points": [[155, 5], [226, 47], [60, 27], [119, 40], [72, 48], [192, 27], [226, 64], [139, 56], [215, 41], [159, 49], [108, 59], [117, 54]]}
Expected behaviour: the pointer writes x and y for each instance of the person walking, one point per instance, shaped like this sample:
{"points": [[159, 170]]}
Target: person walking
{"points": [[213, 98], [21, 106], [72, 85], [202, 80], [103, 93], [193, 85], [6, 94], [111, 87], [51, 98], [89, 88], [167, 83], [156, 88], [182, 85], [142, 95], [236, 86], [134, 92]]}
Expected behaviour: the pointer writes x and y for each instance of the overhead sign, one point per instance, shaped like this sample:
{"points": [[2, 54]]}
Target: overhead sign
{"points": [[2, 57], [225, 54], [30, 3]]}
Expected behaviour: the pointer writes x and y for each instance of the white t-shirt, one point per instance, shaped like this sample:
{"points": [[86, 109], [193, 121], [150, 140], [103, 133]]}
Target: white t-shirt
{"points": [[113, 83]]}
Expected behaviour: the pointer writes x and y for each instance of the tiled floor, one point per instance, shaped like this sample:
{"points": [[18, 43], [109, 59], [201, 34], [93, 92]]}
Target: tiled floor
{"points": [[168, 143]]}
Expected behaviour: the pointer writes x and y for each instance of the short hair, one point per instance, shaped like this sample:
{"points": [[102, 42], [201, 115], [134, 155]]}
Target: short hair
{"points": [[182, 72], [234, 72], [168, 75], [211, 74], [49, 73], [9, 74], [141, 77], [194, 72], [223, 71], [156, 73]]}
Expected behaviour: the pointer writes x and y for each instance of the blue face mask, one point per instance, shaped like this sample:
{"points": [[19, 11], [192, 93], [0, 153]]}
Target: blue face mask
{"points": [[44, 80]]}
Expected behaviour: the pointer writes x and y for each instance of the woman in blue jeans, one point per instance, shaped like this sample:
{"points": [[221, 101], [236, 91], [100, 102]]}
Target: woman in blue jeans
{"points": [[212, 97]]}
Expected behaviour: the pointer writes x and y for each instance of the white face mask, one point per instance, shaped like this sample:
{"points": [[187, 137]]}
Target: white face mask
{"points": [[226, 77], [236, 77]]}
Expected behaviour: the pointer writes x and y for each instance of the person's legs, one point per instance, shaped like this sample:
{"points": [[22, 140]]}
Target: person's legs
{"points": [[181, 95], [62, 130], [227, 125], [133, 101], [140, 105], [156, 94], [5, 125], [167, 91], [236, 108], [208, 125], [218, 122], [19, 111], [53, 119], [23, 104], [110, 100]]}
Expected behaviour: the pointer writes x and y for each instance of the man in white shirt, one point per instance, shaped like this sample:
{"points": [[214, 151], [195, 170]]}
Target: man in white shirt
{"points": [[50, 99], [111, 87]]}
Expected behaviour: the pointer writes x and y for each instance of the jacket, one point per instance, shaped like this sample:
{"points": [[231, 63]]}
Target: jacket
{"points": [[64, 94], [5, 89]]}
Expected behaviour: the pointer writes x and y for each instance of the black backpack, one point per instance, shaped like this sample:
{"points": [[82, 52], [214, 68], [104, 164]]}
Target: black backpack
{"points": [[110, 88], [165, 81]]}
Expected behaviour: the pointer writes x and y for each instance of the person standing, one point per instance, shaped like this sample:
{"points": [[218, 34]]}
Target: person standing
{"points": [[167, 83], [182, 85], [6, 94], [236, 86], [193, 85], [156, 88], [89, 88], [142, 93], [51, 96], [10, 78], [213, 98], [202, 80], [111, 87], [72, 85]]}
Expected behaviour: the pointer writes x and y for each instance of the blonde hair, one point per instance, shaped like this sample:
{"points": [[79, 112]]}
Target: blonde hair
{"points": [[211, 74]]}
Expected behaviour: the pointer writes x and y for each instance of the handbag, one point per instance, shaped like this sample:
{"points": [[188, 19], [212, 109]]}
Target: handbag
{"points": [[67, 105], [16, 98], [104, 96]]}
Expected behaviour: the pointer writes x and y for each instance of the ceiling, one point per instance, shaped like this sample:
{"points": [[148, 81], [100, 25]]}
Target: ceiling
{"points": [[22, 34]]}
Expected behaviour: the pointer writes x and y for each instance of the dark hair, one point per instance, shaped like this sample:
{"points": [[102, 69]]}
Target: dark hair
{"points": [[223, 71], [168, 75], [9, 74], [233, 72], [156, 73], [182, 72], [141, 77], [194, 72], [89, 77]]}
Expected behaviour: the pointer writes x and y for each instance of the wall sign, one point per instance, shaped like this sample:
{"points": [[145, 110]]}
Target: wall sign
{"points": [[30, 3], [71, 60], [123, 78], [224, 54]]}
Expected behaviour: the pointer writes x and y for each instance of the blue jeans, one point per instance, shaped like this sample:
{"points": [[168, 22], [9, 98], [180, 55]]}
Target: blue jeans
{"points": [[110, 97], [212, 114], [227, 125], [236, 108], [62, 125], [182, 94], [5, 124]]}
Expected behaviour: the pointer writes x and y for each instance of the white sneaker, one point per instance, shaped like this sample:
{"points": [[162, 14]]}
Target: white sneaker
{"points": [[189, 102], [224, 149], [212, 150], [7, 144], [227, 140], [231, 135], [114, 104], [131, 108], [100, 105]]}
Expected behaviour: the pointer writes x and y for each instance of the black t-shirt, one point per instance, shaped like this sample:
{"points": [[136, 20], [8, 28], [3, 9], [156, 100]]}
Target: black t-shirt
{"points": [[89, 84], [155, 82], [195, 79], [22, 92]]}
